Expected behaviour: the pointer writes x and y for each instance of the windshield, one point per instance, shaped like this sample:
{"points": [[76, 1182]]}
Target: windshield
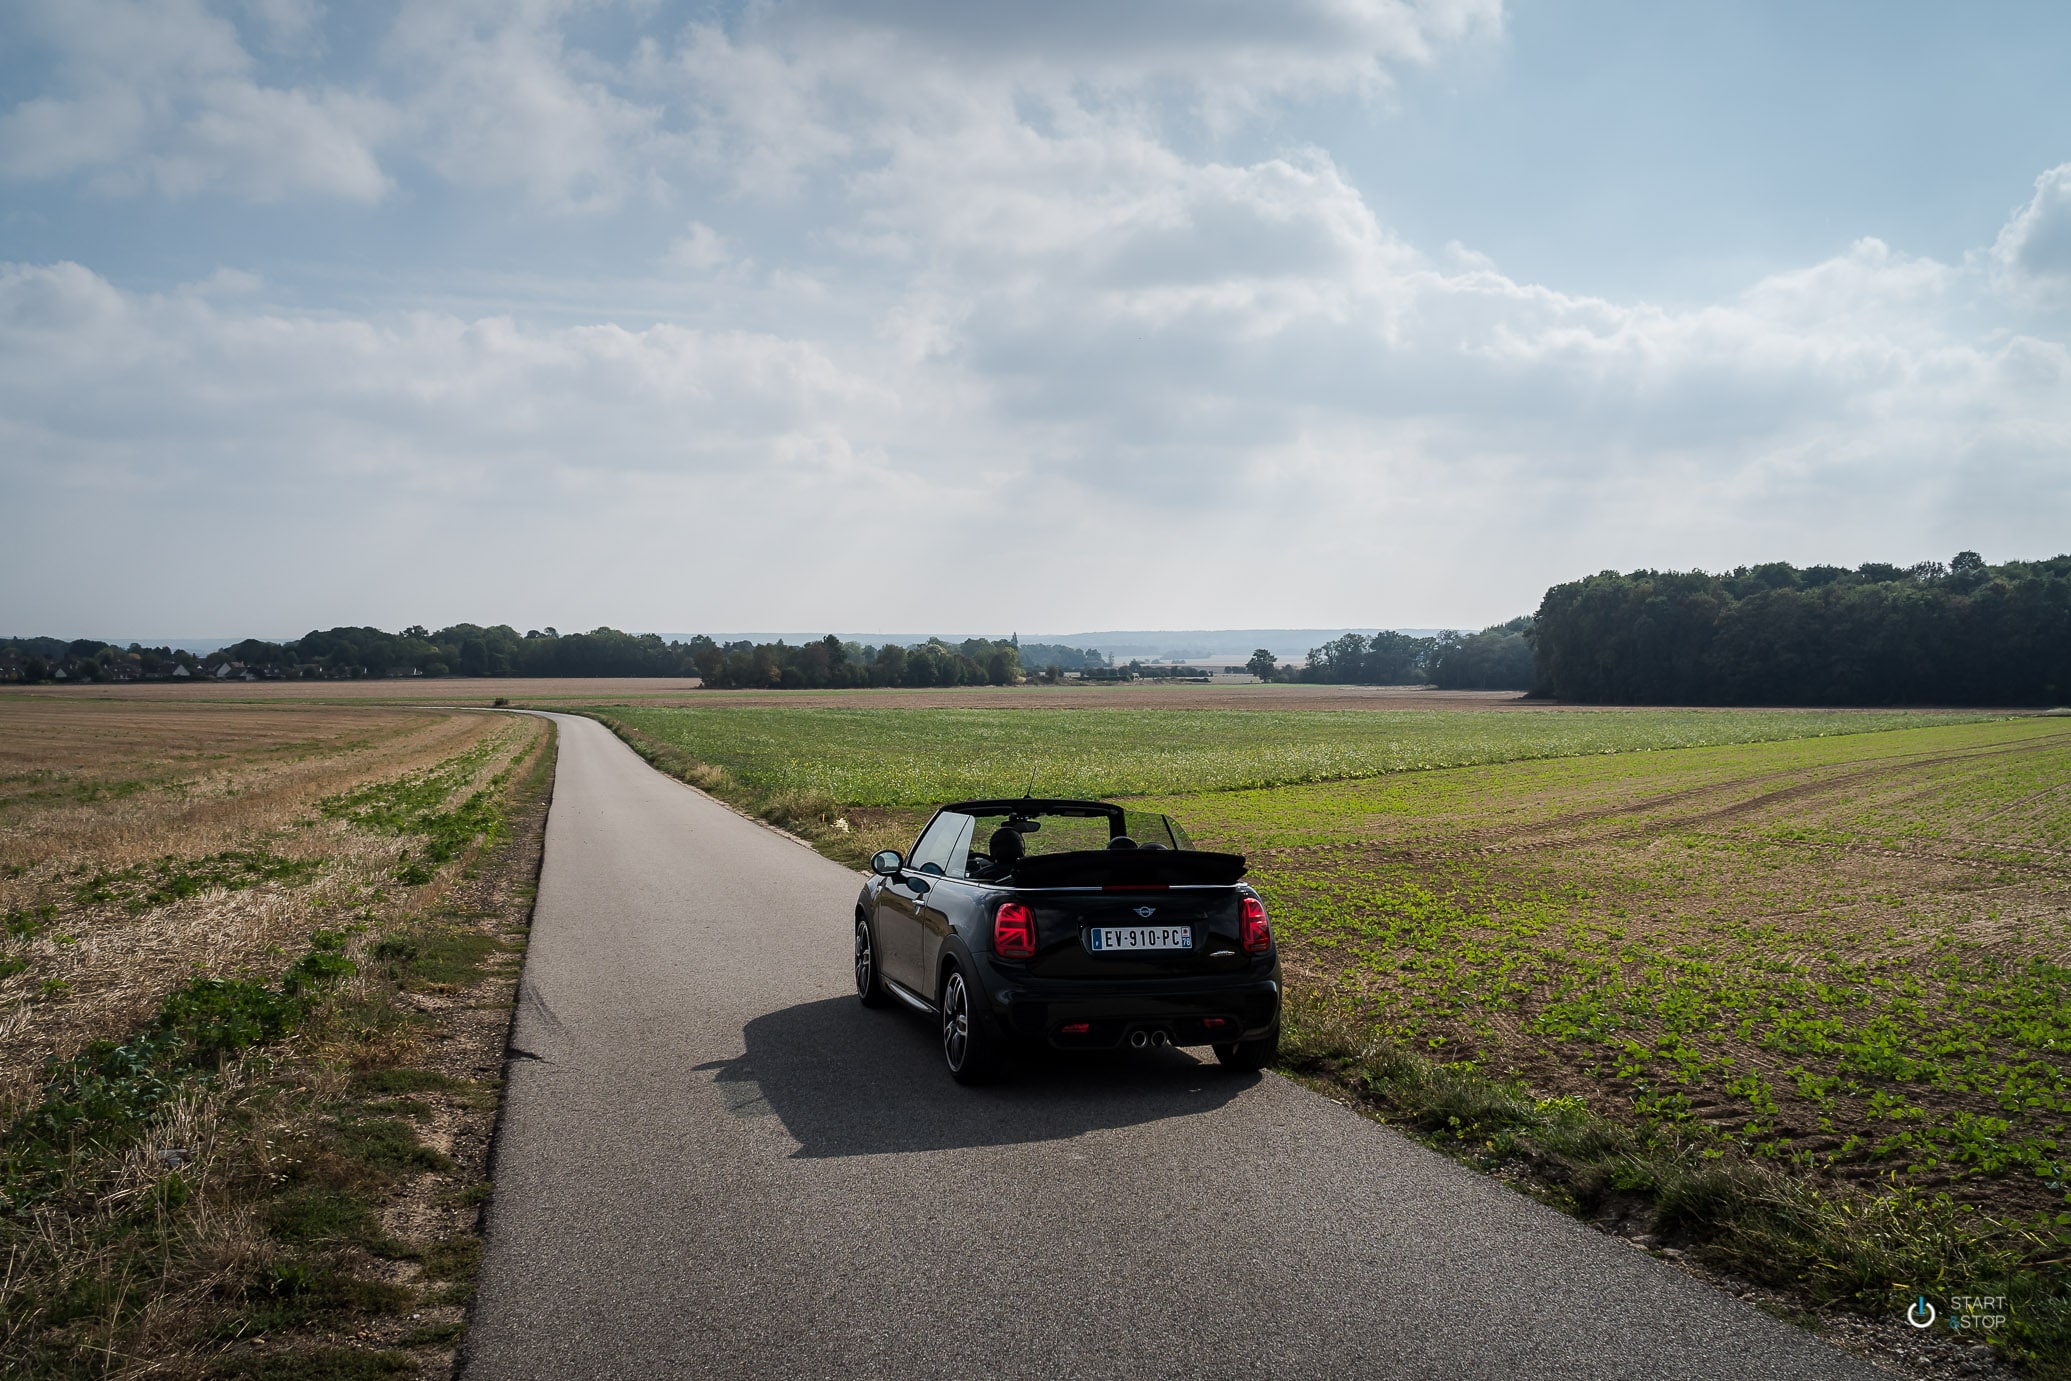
{"points": [[984, 843]]}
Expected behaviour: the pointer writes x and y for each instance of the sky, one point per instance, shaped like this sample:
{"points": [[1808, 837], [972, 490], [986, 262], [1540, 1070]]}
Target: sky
{"points": [[919, 313]]}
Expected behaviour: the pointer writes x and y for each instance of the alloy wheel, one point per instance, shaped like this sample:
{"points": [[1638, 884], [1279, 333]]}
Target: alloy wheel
{"points": [[956, 1021], [866, 960]]}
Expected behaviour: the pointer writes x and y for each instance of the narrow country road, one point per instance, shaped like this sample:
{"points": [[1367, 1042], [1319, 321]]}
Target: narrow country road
{"points": [[714, 1163]]}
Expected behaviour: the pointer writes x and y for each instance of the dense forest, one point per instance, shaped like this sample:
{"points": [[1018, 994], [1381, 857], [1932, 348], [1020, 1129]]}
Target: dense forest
{"points": [[467, 649], [1966, 633]]}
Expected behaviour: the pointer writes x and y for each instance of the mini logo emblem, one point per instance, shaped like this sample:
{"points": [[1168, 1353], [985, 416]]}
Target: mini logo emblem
{"points": [[1146, 911]]}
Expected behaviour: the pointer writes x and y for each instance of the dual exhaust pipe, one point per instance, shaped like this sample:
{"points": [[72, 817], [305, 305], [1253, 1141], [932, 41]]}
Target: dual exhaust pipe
{"points": [[1140, 1039]]}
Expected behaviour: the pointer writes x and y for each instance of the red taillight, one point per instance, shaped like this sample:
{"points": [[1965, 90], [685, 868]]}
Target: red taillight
{"points": [[1258, 936], [1013, 931], [1075, 1028]]}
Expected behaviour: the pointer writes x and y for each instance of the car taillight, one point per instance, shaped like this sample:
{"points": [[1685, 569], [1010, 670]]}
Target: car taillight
{"points": [[1258, 936], [1013, 931]]}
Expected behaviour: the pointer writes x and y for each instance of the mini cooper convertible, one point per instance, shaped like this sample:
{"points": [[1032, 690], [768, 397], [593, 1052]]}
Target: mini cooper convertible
{"points": [[1077, 925]]}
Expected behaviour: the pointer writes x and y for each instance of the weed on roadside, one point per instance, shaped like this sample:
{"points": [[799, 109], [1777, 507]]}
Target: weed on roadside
{"points": [[168, 880]]}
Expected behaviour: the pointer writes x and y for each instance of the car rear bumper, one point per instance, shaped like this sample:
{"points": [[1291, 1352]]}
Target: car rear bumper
{"points": [[1102, 1016]]}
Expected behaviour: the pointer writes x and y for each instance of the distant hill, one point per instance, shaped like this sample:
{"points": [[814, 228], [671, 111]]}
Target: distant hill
{"points": [[1149, 644]]}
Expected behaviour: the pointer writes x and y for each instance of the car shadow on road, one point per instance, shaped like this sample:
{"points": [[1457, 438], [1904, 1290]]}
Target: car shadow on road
{"points": [[847, 1081]]}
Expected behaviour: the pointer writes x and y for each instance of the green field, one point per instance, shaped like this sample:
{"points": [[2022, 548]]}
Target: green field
{"points": [[1849, 954], [923, 757], [1795, 984]]}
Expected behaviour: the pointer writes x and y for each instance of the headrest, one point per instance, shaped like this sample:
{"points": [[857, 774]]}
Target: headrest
{"points": [[1006, 845]]}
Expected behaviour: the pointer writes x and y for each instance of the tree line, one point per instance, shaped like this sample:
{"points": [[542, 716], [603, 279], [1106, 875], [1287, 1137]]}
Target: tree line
{"points": [[831, 663], [1965, 633], [1497, 658], [88, 659], [467, 649]]}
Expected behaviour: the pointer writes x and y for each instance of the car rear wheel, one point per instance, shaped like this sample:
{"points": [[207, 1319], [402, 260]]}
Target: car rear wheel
{"points": [[1250, 1055], [869, 987], [967, 1047]]}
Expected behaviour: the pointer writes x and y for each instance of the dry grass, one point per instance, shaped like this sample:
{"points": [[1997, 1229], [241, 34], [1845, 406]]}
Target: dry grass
{"points": [[444, 690], [162, 1251], [115, 783], [92, 788]]}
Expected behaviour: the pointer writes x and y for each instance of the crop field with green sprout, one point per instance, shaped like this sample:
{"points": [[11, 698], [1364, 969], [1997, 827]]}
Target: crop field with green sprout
{"points": [[915, 757], [1852, 955]]}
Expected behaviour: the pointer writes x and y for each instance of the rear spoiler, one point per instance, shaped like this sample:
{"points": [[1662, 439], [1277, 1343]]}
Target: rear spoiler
{"points": [[1128, 868]]}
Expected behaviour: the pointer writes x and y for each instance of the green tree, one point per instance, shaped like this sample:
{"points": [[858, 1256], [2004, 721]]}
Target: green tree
{"points": [[1965, 634], [1263, 664], [1496, 658]]}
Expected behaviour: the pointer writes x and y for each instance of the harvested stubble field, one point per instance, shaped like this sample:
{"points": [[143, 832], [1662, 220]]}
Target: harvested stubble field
{"points": [[254, 980], [1783, 994], [373, 690]]}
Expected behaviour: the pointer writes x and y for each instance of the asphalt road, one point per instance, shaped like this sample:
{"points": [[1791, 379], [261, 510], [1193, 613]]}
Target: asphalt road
{"points": [[713, 1162]]}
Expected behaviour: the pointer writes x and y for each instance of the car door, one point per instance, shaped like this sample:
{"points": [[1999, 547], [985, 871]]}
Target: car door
{"points": [[901, 899], [897, 927], [944, 904]]}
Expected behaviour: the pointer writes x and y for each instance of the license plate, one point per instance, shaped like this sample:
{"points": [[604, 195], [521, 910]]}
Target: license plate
{"points": [[1100, 939]]}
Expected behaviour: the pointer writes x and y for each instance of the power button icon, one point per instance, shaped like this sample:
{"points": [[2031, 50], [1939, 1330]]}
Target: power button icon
{"points": [[1920, 1313]]}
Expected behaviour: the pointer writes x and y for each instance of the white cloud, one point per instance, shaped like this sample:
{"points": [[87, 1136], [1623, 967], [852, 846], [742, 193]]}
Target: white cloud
{"points": [[791, 89], [163, 97], [1365, 415], [167, 96], [200, 384], [496, 97], [993, 299], [2034, 248], [700, 249], [1226, 53], [292, 26]]}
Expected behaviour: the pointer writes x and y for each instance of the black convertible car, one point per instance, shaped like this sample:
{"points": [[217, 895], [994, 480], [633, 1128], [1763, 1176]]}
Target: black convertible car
{"points": [[1077, 924]]}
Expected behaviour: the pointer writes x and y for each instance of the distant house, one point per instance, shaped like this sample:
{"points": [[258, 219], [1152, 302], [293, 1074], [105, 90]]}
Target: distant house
{"points": [[180, 672]]}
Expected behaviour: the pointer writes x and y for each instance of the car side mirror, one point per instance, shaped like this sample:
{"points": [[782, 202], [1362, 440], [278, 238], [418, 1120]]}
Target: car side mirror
{"points": [[886, 863]]}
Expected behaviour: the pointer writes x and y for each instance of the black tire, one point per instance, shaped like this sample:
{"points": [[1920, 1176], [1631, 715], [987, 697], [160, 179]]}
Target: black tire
{"points": [[969, 1048], [1250, 1056], [869, 985]]}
